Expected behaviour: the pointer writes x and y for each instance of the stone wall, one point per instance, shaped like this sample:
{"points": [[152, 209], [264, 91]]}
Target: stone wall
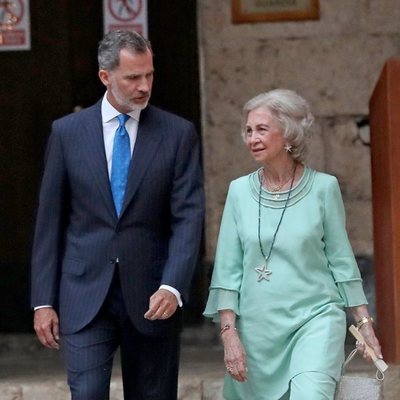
{"points": [[333, 62]]}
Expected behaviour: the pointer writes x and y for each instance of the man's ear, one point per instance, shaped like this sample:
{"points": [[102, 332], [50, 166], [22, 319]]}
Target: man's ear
{"points": [[104, 76]]}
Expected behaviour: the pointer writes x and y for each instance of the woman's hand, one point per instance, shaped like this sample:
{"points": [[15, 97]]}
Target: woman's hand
{"points": [[234, 355], [367, 331]]}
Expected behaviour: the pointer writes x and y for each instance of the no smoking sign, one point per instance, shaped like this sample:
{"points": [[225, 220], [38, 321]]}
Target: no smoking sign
{"points": [[125, 14], [11, 12], [14, 25]]}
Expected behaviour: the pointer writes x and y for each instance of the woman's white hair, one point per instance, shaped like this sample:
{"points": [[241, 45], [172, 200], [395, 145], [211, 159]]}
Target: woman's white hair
{"points": [[292, 112]]}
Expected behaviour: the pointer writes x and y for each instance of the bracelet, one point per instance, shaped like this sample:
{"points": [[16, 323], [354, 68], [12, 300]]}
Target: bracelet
{"points": [[225, 328], [364, 320]]}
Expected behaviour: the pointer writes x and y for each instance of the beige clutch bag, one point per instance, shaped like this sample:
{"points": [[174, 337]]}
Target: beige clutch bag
{"points": [[359, 387]]}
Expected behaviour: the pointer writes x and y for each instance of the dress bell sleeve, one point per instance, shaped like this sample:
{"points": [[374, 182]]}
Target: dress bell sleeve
{"points": [[228, 267], [338, 249]]}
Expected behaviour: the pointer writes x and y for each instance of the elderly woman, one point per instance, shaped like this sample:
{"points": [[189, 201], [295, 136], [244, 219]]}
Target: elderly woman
{"points": [[284, 268]]}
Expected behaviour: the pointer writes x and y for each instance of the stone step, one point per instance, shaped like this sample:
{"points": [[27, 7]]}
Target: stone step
{"points": [[30, 372], [42, 377], [190, 389]]}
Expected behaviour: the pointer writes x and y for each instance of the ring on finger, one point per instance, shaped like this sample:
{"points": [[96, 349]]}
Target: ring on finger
{"points": [[165, 315], [229, 369]]}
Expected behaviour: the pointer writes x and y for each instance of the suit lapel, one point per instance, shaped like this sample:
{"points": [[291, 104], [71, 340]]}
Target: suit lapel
{"points": [[147, 142], [97, 162]]}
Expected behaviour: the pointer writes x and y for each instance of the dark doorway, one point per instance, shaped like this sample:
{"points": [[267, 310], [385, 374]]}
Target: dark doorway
{"points": [[57, 74]]}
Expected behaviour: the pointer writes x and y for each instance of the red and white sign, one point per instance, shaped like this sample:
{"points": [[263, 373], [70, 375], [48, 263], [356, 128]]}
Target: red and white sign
{"points": [[125, 14], [15, 32]]}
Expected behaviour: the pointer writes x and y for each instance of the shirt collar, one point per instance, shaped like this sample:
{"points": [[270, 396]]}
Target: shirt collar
{"points": [[108, 112]]}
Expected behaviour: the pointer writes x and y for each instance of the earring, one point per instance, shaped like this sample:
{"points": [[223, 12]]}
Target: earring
{"points": [[288, 148]]}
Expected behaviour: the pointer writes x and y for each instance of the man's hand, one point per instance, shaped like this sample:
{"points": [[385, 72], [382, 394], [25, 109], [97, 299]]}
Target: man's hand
{"points": [[47, 327], [163, 304]]}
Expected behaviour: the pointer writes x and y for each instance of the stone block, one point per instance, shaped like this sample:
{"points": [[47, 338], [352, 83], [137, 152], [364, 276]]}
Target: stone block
{"points": [[45, 390], [328, 61], [339, 17], [336, 74], [227, 159], [212, 389], [391, 385], [359, 226], [380, 17], [231, 76], [9, 392], [367, 270], [189, 388], [348, 158], [316, 148]]}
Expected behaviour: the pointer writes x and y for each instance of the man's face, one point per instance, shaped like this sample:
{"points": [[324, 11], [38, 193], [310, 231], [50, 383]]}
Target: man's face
{"points": [[129, 85]]}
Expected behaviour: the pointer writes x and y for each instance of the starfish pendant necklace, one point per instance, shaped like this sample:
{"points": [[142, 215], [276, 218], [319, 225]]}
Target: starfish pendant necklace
{"points": [[263, 272]]}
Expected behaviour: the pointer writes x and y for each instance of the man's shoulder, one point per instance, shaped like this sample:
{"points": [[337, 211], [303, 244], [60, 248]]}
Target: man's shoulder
{"points": [[88, 113], [165, 116]]}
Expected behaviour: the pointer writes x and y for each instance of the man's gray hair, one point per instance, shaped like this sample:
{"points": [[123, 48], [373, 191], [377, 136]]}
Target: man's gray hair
{"points": [[292, 112], [114, 41]]}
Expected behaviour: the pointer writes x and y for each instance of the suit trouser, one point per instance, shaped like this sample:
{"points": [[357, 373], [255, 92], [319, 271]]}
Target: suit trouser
{"points": [[149, 365]]}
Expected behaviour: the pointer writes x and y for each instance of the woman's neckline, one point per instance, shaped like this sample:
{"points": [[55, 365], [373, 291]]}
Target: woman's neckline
{"points": [[278, 199], [299, 173]]}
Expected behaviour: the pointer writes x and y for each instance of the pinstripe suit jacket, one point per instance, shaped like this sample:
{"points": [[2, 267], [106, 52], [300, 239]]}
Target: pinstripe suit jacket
{"points": [[78, 235]]}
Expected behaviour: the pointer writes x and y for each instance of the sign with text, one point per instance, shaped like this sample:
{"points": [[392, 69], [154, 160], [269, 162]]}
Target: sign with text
{"points": [[15, 31], [125, 14]]}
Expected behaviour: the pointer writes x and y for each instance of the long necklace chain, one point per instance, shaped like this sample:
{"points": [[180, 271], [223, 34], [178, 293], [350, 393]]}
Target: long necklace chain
{"points": [[266, 258]]}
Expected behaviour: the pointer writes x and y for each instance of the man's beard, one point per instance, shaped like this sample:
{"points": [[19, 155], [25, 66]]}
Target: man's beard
{"points": [[126, 103]]}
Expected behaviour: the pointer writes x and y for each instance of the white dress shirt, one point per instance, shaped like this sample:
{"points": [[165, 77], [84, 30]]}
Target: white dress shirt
{"points": [[110, 124]]}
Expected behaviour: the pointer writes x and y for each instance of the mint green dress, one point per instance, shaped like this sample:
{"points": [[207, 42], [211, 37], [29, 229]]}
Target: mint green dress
{"points": [[295, 321]]}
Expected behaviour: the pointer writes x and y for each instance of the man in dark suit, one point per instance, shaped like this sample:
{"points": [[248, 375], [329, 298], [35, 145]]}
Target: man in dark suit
{"points": [[118, 229]]}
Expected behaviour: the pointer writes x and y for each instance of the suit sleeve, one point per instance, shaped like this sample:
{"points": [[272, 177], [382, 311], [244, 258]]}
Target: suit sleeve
{"points": [[49, 228], [187, 211]]}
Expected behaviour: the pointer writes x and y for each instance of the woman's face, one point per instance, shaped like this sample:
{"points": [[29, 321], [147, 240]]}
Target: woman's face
{"points": [[264, 136]]}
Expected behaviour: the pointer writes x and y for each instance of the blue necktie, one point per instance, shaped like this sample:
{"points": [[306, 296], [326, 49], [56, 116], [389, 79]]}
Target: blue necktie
{"points": [[120, 162]]}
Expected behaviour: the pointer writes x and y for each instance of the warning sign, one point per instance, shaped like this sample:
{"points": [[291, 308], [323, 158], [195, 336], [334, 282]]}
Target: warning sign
{"points": [[15, 31], [125, 14]]}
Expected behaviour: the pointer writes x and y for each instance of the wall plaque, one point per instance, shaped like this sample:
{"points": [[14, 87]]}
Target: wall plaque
{"points": [[274, 10]]}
